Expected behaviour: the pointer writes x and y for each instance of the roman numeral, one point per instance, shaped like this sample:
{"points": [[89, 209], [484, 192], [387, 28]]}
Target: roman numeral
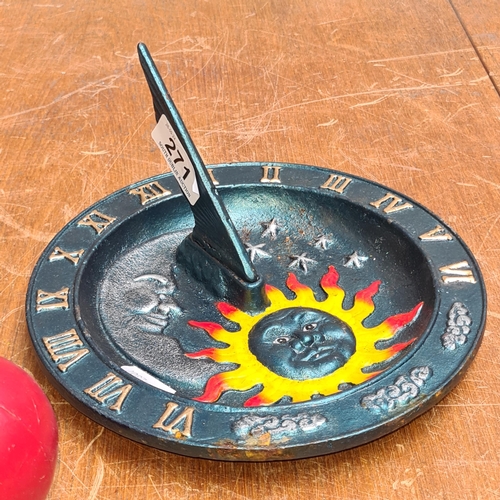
{"points": [[212, 176], [149, 192], [60, 254], [392, 204], [97, 221], [436, 234], [110, 388], [271, 174], [458, 272], [65, 346], [336, 183], [181, 421], [48, 301]]}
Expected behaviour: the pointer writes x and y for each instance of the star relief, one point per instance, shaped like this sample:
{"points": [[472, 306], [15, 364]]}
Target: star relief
{"points": [[271, 228], [355, 260], [255, 251], [300, 262], [322, 242]]}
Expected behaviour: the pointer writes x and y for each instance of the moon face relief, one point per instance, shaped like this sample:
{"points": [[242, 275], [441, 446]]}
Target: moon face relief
{"points": [[148, 304]]}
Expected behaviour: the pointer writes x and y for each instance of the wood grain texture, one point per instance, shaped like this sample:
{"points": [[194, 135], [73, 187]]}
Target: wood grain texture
{"points": [[481, 21], [390, 90]]}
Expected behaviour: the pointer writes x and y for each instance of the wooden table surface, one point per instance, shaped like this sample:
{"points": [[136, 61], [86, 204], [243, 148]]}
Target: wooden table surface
{"points": [[402, 92]]}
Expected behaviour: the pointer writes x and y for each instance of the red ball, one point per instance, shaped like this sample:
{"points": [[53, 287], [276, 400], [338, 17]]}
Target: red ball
{"points": [[28, 436]]}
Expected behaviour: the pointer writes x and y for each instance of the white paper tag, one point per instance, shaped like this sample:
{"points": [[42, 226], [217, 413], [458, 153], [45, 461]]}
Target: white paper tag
{"points": [[172, 149], [136, 372]]}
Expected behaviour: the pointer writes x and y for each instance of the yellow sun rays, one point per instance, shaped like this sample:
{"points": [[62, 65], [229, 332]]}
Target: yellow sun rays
{"points": [[251, 372]]}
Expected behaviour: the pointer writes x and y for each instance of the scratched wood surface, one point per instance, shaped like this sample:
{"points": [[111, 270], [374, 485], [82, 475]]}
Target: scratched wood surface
{"points": [[481, 22], [393, 90]]}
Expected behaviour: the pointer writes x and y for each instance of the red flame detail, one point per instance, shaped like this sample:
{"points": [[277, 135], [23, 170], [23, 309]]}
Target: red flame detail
{"points": [[399, 320], [204, 353], [226, 309], [371, 375], [270, 288], [256, 400], [399, 347], [367, 294], [208, 326], [214, 388], [294, 284], [330, 279]]}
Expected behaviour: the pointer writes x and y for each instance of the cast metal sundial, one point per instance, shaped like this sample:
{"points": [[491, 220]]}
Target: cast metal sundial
{"points": [[253, 311]]}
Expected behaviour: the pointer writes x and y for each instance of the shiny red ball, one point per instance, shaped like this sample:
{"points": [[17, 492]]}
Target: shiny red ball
{"points": [[28, 436]]}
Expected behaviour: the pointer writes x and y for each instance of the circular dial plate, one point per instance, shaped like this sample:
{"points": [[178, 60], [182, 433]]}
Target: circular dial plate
{"points": [[376, 308]]}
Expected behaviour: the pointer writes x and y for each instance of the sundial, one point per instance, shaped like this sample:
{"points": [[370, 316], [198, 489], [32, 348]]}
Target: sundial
{"points": [[253, 311]]}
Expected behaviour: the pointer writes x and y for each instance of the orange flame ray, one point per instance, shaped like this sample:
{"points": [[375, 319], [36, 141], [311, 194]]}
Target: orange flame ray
{"points": [[257, 400], [363, 300], [390, 327], [230, 312], [210, 327], [221, 382], [394, 349], [210, 352], [396, 322], [216, 385], [300, 290], [215, 330], [330, 278], [276, 297], [329, 282], [379, 356]]}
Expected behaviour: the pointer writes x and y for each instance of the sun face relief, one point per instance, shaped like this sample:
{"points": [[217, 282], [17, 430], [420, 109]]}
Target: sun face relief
{"points": [[301, 347], [302, 343]]}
